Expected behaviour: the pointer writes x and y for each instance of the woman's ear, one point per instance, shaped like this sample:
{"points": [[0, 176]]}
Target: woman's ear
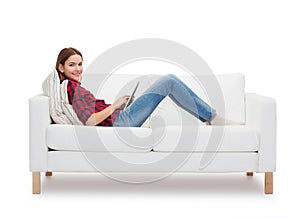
{"points": [[61, 68]]}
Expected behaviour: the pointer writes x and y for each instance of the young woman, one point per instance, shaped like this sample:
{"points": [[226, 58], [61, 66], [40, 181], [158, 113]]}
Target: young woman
{"points": [[92, 111]]}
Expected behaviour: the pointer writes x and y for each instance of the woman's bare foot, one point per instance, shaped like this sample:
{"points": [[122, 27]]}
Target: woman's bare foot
{"points": [[213, 118]]}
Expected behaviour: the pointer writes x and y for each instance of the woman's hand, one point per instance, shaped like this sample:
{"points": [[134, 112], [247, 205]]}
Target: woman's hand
{"points": [[98, 117], [120, 102]]}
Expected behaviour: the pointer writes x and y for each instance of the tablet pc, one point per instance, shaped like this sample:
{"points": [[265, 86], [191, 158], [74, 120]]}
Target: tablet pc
{"points": [[130, 100]]}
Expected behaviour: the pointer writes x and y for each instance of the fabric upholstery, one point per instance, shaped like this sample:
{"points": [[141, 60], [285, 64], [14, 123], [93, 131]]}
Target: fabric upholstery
{"points": [[76, 138]]}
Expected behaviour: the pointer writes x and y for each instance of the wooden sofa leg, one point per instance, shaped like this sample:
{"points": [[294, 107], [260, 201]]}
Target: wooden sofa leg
{"points": [[48, 173], [249, 173], [269, 183], [36, 182]]}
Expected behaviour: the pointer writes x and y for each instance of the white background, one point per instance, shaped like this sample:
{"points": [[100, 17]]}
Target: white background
{"points": [[260, 38]]}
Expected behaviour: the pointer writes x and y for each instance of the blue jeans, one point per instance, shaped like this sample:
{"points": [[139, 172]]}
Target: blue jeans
{"points": [[170, 85]]}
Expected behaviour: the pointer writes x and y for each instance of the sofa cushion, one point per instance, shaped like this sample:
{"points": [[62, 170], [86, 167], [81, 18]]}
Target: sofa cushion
{"points": [[190, 138], [96, 138], [51, 88], [86, 138]]}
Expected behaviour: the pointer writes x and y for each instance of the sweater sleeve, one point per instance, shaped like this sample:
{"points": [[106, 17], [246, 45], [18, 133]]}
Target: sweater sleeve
{"points": [[85, 104]]}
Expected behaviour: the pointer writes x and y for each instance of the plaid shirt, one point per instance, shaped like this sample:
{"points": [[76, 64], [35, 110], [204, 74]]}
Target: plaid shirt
{"points": [[85, 104]]}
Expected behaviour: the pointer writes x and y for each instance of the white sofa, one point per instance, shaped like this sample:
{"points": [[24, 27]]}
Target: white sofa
{"points": [[170, 141]]}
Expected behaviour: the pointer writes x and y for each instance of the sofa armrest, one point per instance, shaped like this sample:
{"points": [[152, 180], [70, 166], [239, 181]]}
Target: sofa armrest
{"points": [[39, 119], [261, 115]]}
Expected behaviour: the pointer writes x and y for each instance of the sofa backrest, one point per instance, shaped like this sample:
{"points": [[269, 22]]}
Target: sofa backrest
{"points": [[231, 89], [208, 87]]}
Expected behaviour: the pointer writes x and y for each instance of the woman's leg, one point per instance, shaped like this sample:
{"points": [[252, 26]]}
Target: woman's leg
{"points": [[169, 85]]}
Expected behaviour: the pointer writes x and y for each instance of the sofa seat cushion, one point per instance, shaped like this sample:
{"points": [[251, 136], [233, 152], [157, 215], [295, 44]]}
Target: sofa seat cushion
{"points": [[224, 139], [167, 139], [96, 138]]}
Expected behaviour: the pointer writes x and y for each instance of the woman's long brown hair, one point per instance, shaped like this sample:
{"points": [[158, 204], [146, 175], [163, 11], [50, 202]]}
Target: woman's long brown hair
{"points": [[62, 57]]}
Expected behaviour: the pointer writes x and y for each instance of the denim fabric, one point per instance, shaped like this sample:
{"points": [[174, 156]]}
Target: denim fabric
{"points": [[170, 85]]}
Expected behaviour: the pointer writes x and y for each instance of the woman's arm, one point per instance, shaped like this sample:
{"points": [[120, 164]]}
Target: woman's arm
{"points": [[99, 117]]}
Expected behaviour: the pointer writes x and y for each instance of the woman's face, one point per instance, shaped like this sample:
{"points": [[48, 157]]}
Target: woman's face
{"points": [[72, 67]]}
